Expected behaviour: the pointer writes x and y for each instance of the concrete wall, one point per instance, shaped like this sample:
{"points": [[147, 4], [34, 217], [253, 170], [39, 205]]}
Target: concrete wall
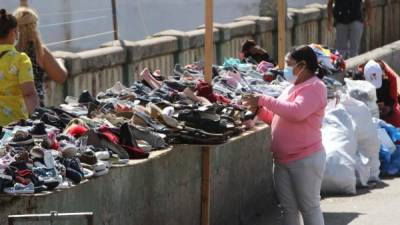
{"points": [[98, 69], [166, 188], [389, 53]]}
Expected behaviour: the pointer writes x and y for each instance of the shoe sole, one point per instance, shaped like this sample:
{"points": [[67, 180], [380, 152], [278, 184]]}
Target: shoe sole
{"points": [[27, 142], [39, 136], [101, 173], [11, 191]]}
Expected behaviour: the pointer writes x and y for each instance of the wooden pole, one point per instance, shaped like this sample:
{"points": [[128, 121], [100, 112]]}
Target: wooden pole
{"points": [[115, 19], [281, 33], [208, 61], [209, 42], [23, 3]]}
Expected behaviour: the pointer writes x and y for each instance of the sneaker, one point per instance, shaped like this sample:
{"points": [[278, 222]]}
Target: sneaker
{"points": [[49, 159], [144, 145], [87, 173], [178, 71], [101, 173], [52, 120], [100, 166], [68, 150], [6, 160], [19, 188], [21, 138], [88, 157], [86, 97], [103, 155], [64, 184], [39, 131], [37, 152], [48, 176], [115, 160]]}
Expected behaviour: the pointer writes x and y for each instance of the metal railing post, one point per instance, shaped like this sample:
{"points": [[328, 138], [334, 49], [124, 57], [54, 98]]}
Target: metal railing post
{"points": [[115, 19]]}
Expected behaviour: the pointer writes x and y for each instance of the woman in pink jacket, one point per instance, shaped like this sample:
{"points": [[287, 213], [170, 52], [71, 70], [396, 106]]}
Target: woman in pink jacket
{"points": [[296, 120]]}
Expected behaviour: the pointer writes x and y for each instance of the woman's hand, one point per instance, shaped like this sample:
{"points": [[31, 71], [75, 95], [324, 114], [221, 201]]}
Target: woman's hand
{"points": [[251, 102]]}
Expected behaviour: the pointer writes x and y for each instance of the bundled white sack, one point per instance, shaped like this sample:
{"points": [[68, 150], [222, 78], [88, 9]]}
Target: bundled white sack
{"points": [[340, 142], [368, 145], [365, 92]]}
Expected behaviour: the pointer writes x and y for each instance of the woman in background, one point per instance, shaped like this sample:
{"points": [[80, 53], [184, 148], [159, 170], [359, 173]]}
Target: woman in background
{"points": [[42, 59]]}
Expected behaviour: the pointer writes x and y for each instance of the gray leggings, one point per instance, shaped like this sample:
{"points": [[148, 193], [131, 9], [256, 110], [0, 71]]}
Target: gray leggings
{"points": [[348, 38], [298, 186]]}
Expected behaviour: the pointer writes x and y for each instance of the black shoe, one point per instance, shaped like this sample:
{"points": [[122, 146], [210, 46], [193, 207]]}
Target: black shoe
{"points": [[39, 131], [52, 120], [178, 71], [85, 97], [88, 157], [22, 138]]}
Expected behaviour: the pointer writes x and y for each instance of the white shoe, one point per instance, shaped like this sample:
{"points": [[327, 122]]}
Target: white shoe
{"points": [[102, 155]]}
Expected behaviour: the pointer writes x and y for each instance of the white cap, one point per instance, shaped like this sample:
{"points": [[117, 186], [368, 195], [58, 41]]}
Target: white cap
{"points": [[373, 73]]}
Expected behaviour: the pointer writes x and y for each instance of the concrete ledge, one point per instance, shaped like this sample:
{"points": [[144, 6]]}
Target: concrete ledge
{"points": [[92, 60], [305, 15], [316, 5], [322, 8], [196, 37], [224, 32], [153, 47], [389, 53], [241, 28], [183, 38], [263, 24], [71, 61], [235, 29], [98, 59], [166, 188]]}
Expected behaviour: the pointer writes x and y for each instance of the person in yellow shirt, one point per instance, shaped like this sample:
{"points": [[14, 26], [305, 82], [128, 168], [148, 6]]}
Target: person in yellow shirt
{"points": [[18, 97]]}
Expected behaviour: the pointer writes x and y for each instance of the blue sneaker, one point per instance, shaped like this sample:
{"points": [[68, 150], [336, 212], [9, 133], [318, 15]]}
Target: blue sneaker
{"points": [[20, 189]]}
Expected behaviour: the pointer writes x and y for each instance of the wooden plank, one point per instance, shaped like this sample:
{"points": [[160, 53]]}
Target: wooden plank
{"points": [[281, 33]]}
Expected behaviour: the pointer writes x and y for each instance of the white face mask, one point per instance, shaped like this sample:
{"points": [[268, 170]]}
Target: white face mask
{"points": [[289, 74]]}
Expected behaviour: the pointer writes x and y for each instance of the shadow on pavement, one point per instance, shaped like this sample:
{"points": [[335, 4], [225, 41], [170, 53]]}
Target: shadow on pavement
{"points": [[340, 218], [360, 191]]}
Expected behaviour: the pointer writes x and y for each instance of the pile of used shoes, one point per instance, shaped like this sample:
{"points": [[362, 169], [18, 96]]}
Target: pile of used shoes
{"points": [[86, 136]]}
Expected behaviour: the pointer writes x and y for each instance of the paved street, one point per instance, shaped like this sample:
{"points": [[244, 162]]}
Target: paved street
{"points": [[378, 206]]}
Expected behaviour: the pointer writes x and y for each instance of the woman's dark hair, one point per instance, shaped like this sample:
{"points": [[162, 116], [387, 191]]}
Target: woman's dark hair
{"points": [[7, 23], [306, 53], [247, 45]]}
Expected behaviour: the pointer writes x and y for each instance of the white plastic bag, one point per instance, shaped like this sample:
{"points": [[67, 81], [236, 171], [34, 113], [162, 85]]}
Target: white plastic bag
{"points": [[340, 144], [368, 144], [365, 92]]}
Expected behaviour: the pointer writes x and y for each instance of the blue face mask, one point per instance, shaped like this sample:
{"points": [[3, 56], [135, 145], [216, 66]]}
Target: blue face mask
{"points": [[288, 74]]}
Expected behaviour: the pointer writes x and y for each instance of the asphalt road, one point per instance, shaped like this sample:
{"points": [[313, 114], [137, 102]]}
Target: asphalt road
{"points": [[377, 206]]}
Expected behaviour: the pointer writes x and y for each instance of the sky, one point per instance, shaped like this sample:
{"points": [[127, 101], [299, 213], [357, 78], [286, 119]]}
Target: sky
{"points": [[89, 23]]}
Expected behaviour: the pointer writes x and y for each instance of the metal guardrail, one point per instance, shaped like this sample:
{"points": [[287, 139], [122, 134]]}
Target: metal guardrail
{"points": [[51, 217]]}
